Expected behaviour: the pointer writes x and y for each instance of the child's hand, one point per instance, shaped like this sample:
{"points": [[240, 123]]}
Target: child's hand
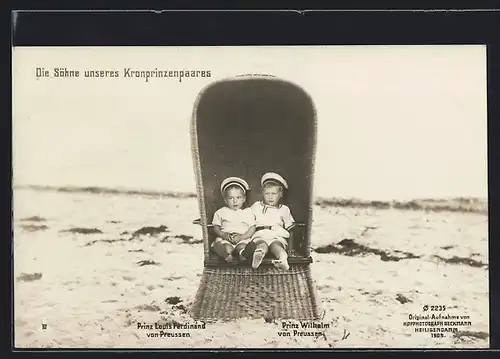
{"points": [[227, 236], [237, 238], [280, 231]]}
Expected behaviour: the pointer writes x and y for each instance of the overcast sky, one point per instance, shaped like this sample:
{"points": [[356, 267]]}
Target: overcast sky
{"points": [[394, 121]]}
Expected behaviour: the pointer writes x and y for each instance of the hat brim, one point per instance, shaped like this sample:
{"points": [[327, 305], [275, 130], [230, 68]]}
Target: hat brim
{"points": [[275, 182], [223, 189], [234, 181]]}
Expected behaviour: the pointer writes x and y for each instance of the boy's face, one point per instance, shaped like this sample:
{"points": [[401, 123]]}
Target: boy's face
{"points": [[272, 195], [235, 197]]}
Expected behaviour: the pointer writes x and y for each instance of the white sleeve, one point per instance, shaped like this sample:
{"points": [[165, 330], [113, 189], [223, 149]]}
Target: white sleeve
{"points": [[250, 217], [255, 207], [217, 218], [287, 217]]}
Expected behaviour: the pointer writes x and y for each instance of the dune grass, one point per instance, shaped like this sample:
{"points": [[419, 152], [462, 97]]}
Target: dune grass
{"points": [[109, 191], [459, 204]]}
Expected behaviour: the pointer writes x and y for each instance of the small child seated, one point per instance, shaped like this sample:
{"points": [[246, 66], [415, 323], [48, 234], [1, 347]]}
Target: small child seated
{"points": [[233, 224], [272, 219]]}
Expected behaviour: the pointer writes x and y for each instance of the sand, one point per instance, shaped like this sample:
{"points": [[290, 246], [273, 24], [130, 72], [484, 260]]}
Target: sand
{"points": [[84, 280]]}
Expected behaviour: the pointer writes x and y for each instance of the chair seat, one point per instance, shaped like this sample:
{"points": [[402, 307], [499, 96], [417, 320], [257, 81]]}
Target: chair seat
{"points": [[220, 263]]}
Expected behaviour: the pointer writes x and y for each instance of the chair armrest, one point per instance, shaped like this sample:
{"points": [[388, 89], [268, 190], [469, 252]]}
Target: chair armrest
{"points": [[294, 235], [296, 224], [198, 222]]}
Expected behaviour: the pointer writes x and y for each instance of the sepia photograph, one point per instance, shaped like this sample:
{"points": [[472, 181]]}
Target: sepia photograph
{"points": [[325, 197]]}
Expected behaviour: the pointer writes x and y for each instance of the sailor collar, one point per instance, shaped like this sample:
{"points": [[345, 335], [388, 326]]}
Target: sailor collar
{"points": [[265, 207]]}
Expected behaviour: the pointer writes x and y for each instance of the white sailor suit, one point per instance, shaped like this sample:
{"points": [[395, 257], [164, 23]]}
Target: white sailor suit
{"points": [[271, 222]]}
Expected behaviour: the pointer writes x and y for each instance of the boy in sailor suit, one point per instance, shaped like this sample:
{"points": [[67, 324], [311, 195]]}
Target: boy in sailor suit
{"points": [[272, 220], [233, 224]]}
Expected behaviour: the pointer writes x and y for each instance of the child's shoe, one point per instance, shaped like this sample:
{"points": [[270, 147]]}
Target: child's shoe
{"points": [[281, 264], [258, 256]]}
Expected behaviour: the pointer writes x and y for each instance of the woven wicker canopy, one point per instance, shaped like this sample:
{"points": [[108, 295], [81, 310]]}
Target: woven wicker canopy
{"points": [[246, 126]]}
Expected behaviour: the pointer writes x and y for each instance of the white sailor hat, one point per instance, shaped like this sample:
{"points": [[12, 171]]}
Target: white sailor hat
{"points": [[236, 181], [273, 177]]}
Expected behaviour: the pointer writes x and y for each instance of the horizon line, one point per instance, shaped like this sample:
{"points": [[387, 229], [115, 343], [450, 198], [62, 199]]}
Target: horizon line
{"points": [[449, 204]]}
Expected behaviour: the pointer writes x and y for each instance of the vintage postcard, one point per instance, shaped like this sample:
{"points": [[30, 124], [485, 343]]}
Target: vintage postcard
{"points": [[250, 197]]}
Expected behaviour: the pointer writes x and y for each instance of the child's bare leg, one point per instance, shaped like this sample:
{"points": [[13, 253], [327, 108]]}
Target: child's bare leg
{"points": [[224, 250], [280, 253], [259, 254]]}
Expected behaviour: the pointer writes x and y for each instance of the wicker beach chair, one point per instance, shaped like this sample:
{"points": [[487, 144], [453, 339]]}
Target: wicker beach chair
{"points": [[246, 126]]}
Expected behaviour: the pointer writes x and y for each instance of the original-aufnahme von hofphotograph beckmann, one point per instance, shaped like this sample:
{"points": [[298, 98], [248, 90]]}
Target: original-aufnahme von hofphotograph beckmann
{"points": [[250, 197]]}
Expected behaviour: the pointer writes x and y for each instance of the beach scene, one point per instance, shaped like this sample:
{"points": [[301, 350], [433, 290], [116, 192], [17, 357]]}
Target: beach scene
{"points": [[105, 252]]}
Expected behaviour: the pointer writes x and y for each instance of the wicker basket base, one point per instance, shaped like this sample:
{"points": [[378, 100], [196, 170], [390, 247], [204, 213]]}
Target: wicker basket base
{"points": [[266, 292]]}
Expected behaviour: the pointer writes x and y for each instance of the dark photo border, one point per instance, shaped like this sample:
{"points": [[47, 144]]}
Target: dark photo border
{"points": [[274, 27]]}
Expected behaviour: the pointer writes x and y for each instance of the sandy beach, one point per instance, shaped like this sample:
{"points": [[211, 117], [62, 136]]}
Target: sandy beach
{"points": [[91, 269]]}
